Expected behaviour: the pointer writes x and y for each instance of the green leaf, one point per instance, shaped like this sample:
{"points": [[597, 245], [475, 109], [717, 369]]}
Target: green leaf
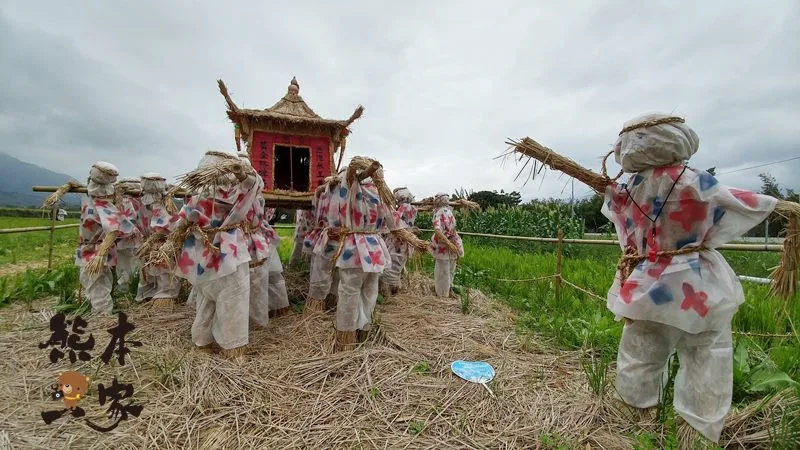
{"points": [[769, 380], [740, 365]]}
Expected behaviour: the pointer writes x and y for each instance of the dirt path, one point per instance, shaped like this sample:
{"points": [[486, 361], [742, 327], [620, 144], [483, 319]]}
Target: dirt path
{"points": [[396, 391]]}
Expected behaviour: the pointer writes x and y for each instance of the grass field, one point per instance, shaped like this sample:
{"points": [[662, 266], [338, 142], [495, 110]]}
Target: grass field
{"points": [[20, 248]]}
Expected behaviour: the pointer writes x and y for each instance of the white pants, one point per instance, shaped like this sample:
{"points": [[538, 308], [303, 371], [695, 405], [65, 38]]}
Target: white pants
{"points": [[391, 276], [158, 284], [297, 254], [192, 300], [321, 281], [704, 384], [148, 286], [259, 294], [223, 310], [358, 292], [278, 297], [97, 289], [127, 264], [444, 272]]}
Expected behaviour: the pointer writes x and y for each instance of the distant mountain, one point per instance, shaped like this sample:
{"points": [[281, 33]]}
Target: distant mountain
{"points": [[17, 178]]}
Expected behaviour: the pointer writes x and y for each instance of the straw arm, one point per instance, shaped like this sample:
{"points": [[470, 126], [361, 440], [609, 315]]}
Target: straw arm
{"points": [[532, 149], [450, 245], [94, 266], [785, 275]]}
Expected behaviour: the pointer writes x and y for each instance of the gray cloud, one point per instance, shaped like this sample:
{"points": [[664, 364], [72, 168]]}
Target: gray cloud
{"points": [[444, 83]]}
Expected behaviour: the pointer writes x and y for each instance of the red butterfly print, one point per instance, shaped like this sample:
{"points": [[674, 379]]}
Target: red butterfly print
{"points": [[626, 292], [694, 300], [674, 172], [185, 262], [690, 212], [748, 198]]}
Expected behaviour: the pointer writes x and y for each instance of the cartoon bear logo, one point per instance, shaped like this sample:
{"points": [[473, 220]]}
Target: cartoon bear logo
{"points": [[73, 387]]}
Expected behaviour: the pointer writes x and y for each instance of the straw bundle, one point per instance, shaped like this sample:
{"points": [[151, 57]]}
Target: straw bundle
{"points": [[450, 246], [53, 199], [547, 157], [361, 168], [94, 266], [344, 341], [407, 235], [152, 243], [785, 275], [217, 174]]}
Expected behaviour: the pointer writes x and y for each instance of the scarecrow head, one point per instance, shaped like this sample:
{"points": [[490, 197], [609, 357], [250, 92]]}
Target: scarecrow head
{"points": [[654, 140]]}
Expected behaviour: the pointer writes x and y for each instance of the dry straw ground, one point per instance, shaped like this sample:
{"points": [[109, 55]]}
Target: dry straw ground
{"points": [[396, 391]]}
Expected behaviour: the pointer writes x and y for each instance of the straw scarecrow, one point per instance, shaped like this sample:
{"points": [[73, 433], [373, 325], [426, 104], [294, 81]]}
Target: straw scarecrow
{"points": [[158, 219], [127, 192], [399, 250], [446, 246], [304, 223], [278, 296], [323, 276], [361, 207], [102, 224], [674, 290], [211, 246]]}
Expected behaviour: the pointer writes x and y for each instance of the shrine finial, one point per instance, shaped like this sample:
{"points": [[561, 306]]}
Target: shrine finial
{"points": [[294, 87]]}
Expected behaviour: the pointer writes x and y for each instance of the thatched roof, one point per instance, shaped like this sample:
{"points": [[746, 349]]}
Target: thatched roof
{"points": [[290, 114]]}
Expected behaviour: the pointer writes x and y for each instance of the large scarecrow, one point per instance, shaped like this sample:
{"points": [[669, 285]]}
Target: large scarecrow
{"points": [[158, 219], [102, 224], [211, 246], [674, 290], [360, 207], [399, 249]]}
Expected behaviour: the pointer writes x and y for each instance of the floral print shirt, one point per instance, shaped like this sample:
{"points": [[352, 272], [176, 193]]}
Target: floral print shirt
{"points": [[445, 221], [697, 291], [367, 216], [223, 207], [99, 216]]}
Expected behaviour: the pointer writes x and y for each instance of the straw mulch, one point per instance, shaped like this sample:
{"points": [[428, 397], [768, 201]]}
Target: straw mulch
{"points": [[290, 391]]}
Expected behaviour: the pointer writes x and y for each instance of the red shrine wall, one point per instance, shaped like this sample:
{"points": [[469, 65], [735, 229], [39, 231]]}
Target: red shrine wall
{"points": [[262, 155]]}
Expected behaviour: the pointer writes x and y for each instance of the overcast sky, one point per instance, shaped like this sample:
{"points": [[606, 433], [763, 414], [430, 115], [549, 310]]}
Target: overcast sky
{"points": [[444, 83]]}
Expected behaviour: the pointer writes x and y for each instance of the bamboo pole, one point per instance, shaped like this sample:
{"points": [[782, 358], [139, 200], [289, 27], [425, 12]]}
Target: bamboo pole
{"points": [[559, 255], [52, 237], [30, 229], [273, 199]]}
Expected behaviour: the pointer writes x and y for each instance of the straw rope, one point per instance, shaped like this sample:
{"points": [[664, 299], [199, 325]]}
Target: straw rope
{"points": [[53, 199], [652, 123], [630, 259]]}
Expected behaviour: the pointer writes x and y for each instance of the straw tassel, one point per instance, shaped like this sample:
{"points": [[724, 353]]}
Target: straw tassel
{"points": [[97, 262], [785, 275]]}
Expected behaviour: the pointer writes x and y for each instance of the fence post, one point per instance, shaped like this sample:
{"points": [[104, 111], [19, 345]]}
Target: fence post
{"points": [[559, 248], [52, 236]]}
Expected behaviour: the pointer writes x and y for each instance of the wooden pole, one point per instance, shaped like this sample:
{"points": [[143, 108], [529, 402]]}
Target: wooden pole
{"points": [[52, 236], [559, 251]]}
